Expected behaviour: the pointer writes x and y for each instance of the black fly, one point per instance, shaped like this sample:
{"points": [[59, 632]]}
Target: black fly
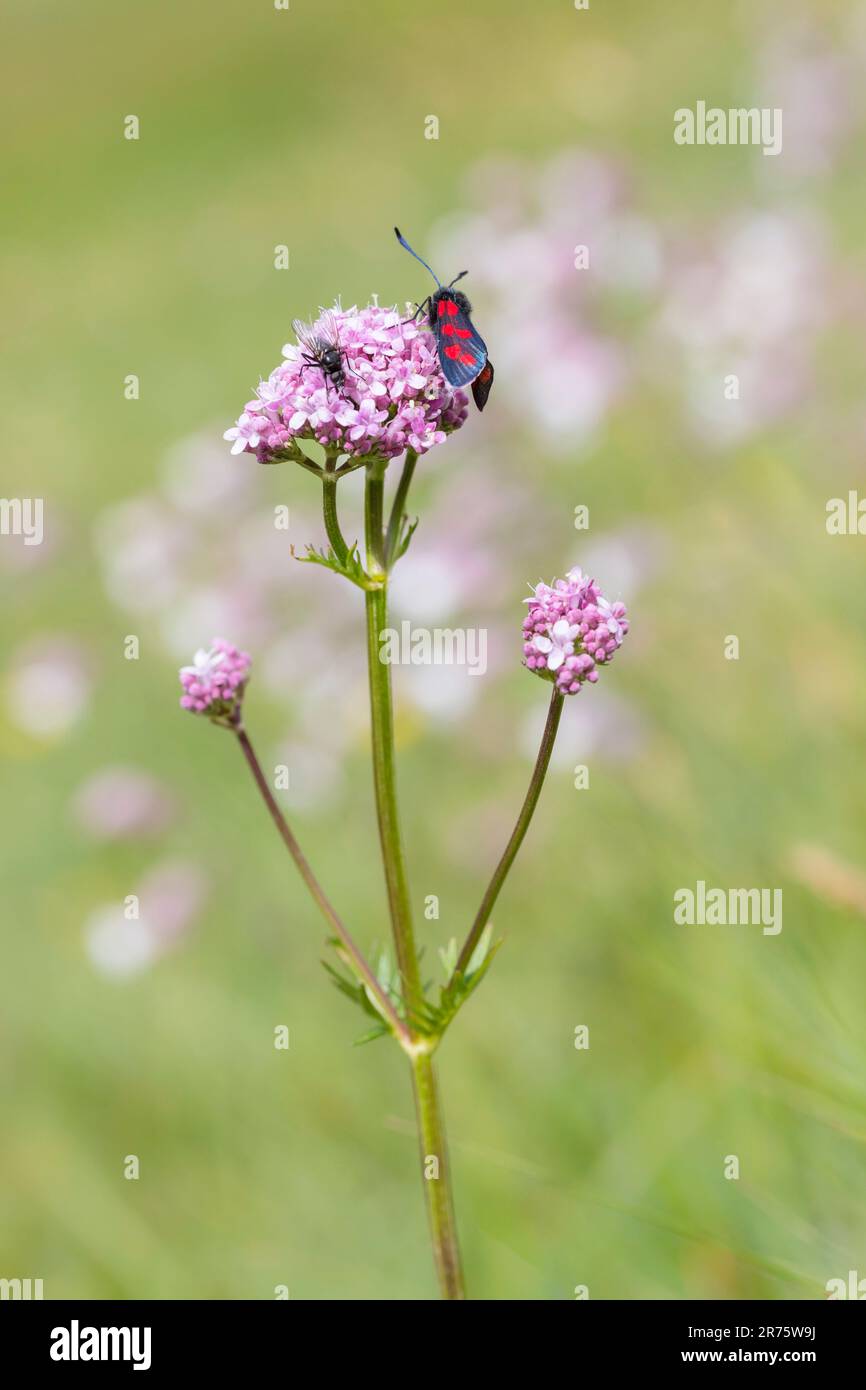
{"points": [[321, 348]]}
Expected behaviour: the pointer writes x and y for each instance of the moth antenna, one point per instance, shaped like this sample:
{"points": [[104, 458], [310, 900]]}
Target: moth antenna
{"points": [[404, 243]]}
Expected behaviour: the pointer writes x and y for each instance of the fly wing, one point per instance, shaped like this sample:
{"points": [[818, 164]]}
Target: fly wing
{"points": [[462, 352], [329, 331], [306, 336]]}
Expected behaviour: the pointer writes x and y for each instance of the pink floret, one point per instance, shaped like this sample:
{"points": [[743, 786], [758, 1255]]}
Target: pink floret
{"points": [[571, 630], [214, 684], [394, 395]]}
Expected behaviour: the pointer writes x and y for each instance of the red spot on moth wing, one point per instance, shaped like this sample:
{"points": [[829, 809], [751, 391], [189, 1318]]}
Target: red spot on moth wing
{"points": [[461, 332], [467, 357], [452, 351], [449, 328], [442, 311], [452, 307], [485, 375]]}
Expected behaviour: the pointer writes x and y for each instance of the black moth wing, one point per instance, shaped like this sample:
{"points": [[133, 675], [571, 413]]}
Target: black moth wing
{"points": [[483, 384], [462, 350]]}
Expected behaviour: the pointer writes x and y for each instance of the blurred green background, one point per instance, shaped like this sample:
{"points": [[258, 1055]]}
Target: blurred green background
{"points": [[156, 257]]}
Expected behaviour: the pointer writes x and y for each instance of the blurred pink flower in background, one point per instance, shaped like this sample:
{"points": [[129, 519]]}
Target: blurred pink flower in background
{"points": [[195, 558], [170, 896], [749, 300], [19, 557], [442, 694], [48, 686], [141, 544], [118, 948], [611, 729], [818, 85], [629, 557], [119, 802], [202, 480], [315, 772], [555, 361], [461, 558]]}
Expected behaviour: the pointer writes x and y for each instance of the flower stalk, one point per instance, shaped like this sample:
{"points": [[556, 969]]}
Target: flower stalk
{"points": [[500, 873], [330, 479], [435, 1167], [398, 513], [382, 725], [384, 780], [362, 969]]}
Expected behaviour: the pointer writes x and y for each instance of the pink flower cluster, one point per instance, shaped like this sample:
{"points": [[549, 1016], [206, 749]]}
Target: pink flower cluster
{"points": [[214, 683], [570, 630], [394, 396]]}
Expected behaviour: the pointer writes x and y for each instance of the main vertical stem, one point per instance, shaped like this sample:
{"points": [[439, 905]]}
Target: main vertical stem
{"points": [[431, 1133], [437, 1178], [386, 800]]}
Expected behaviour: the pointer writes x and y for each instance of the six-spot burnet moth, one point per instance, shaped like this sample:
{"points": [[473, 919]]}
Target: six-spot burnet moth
{"points": [[462, 353]]}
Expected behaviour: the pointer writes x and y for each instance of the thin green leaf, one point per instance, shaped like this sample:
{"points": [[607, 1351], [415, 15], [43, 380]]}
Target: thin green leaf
{"points": [[351, 568], [407, 531]]}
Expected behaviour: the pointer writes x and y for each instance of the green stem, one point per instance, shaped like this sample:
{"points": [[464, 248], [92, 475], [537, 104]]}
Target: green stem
{"points": [[437, 1178], [329, 510], [431, 1133], [393, 856], [395, 522], [374, 511], [499, 875], [362, 969]]}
